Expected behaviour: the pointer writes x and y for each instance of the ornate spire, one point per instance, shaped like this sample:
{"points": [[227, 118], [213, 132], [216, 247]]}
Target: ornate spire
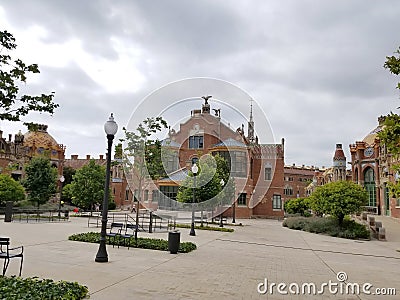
{"points": [[250, 126]]}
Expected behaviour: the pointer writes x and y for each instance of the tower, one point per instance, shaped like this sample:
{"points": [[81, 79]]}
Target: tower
{"points": [[250, 126], [339, 164]]}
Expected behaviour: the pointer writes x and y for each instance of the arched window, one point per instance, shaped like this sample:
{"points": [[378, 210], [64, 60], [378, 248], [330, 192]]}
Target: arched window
{"points": [[369, 185]]}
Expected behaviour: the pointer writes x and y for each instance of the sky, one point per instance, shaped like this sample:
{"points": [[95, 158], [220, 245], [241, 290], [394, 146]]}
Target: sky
{"points": [[314, 68]]}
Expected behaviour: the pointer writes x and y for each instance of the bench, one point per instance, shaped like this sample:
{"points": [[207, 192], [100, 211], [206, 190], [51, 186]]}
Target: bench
{"points": [[8, 253]]}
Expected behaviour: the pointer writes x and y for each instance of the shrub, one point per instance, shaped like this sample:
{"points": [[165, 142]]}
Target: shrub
{"points": [[211, 228], [34, 288], [349, 229], [297, 206], [112, 205], [145, 243]]}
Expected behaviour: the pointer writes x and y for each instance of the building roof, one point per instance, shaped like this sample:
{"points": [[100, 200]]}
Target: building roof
{"points": [[370, 138], [339, 154], [40, 138], [177, 176], [230, 143]]}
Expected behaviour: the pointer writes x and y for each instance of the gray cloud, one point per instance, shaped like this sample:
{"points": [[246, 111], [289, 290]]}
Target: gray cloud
{"points": [[315, 67]]}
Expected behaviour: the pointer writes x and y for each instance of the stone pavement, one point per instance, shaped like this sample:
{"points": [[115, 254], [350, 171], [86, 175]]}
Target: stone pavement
{"points": [[225, 265]]}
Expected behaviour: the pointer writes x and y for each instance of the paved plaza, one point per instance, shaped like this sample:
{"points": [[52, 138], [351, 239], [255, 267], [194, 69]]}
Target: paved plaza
{"points": [[225, 265]]}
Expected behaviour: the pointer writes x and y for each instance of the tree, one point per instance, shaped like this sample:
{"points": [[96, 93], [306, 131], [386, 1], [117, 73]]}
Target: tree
{"points": [[13, 106], [40, 181], [87, 186], [208, 182], [339, 199], [135, 159], [393, 64], [10, 190], [390, 134], [68, 173]]}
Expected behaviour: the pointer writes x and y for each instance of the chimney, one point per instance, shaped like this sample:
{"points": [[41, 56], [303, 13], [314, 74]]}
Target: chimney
{"points": [[1, 134], [88, 156], [101, 156], [9, 137], [74, 156]]}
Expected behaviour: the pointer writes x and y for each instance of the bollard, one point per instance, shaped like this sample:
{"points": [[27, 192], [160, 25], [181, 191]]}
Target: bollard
{"points": [[364, 216], [174, 241], [382, 234], [372, 221], [378, 225]]}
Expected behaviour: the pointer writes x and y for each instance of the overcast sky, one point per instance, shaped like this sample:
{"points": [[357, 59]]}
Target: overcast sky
{"points": [[313, 67]]}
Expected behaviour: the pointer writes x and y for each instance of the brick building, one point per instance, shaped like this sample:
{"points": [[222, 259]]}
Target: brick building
{"points": [[335, 173], [14, 154], [372, 168], [296, 180], [258, 169]]}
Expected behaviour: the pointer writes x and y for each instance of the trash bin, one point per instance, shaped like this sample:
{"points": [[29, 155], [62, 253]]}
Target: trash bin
{"points": [[174, 241], [8, 212], [66, 213]]}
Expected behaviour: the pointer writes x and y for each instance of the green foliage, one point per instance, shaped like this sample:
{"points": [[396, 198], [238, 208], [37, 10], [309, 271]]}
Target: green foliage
{"points": [[68, 173], [338, 199], [154, 159], [210, 228], [13, 106], [208, 182], [138, 146], [349, 229], [393, 64], [390, 134], [145, 243], [40, 181], [37, 289], [118, 150], [297, 206], [10, 190], [87, 186]]}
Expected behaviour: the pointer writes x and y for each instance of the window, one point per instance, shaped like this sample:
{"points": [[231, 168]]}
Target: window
{"points": [[126, 194], [288, 190], [135, 195], [276, 202], [242, 199], [237, 162], [170, 162], [267, 173], [169, 191], [155, 196], [369, 185], [196, 142], [146, 195]]}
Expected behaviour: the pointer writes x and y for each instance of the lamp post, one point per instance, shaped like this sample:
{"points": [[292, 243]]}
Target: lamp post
{"points": [[110, 127], [195, 169], [62, 179], [222, 182], [234, 211]]}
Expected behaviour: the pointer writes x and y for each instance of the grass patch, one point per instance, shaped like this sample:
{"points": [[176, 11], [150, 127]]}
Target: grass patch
{"points": [[211, 228], [144, 243], [329, 226], [34, 288]]}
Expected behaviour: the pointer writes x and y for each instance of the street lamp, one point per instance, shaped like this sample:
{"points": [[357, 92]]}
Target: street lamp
{"points": [[222, 182], [110, 127], [62, 179], [195, 169]]}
